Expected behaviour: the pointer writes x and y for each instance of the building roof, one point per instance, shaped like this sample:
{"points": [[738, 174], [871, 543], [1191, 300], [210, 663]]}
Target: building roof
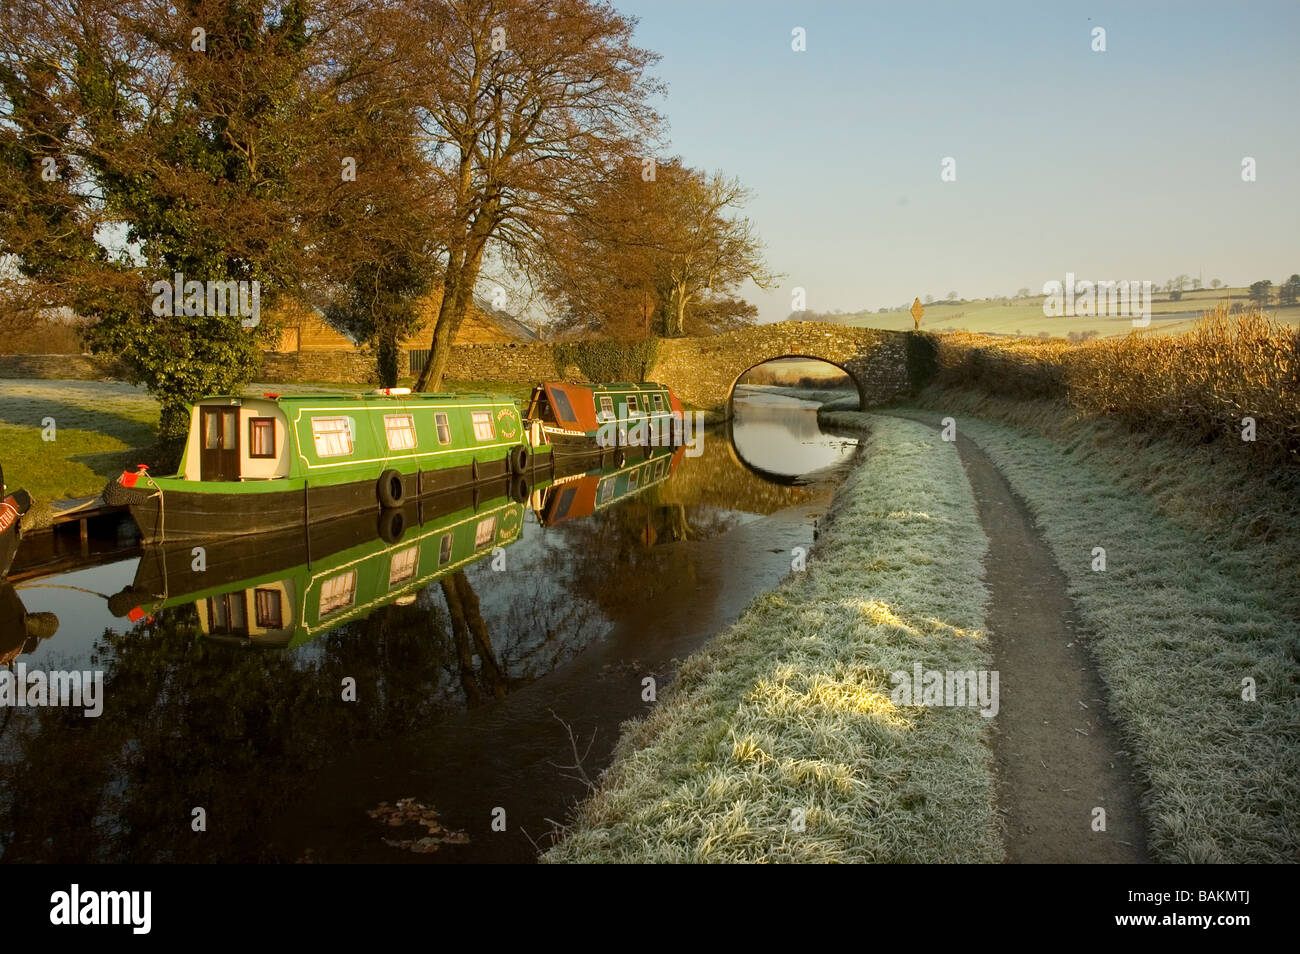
{"points": [[483, 324]]}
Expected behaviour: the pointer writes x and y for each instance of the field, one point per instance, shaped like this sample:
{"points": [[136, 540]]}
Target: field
{"points": [[1025, 316], [98, 428]]}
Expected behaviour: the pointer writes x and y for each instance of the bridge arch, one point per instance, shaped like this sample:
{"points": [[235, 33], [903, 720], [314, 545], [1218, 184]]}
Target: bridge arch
{"points": [[731, 390], [703, 371]]}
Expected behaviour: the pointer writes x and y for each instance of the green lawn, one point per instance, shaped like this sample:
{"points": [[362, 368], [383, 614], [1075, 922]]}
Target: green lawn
{"points": [[99, 428], [788, 714], [820, 395]]}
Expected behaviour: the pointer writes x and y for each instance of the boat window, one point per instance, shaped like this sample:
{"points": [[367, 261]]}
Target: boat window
{"points": [[227, 615], [261, 437], [485, 531], [563, 409], [402, 567], [482, 425], [633, 480], [338, 592], [659, 402], [333, 436], [444, 427], [631, 405], [401, 431], [268, 608], [606, 490], [444, 549], [606, 407]]}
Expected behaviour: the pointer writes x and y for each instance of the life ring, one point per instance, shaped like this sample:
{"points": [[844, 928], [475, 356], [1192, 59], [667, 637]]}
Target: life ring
{"points": [[620, 458], [391, 490], [519, 459]]}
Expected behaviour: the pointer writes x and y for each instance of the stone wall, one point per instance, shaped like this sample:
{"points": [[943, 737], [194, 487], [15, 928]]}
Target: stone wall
{"points": [[333, 367], [516, 363], [66, 367]]}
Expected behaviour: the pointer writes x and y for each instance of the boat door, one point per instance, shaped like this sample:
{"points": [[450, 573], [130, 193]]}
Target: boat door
{"points": [[219, 452]]}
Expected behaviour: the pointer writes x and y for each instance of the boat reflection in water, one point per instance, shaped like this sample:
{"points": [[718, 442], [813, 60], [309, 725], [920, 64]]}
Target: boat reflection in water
{"points": [[21, 631], [284, 589], [581, 495], [460, 671]]}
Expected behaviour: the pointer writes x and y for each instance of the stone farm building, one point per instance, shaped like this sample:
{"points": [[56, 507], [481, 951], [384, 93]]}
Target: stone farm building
{"points": [[304, 332]]}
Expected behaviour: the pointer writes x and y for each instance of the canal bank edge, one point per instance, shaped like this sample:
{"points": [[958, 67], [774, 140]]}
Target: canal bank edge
{"points": [[780, 740], [1181, 529]]}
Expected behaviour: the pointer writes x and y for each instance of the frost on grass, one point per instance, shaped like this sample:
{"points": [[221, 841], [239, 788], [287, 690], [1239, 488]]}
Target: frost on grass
{"points": [[1191, 602], [787, 716]]}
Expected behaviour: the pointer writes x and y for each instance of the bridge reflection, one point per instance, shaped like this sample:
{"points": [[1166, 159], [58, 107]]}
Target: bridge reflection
{"points": [[778, 446]]}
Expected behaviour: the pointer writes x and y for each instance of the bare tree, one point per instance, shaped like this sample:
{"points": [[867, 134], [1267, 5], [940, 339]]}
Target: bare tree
{"points": [[708, 247], [525, 104]]}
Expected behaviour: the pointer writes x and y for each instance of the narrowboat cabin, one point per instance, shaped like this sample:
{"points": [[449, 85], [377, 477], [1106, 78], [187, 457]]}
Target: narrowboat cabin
{"points": [[580, 418], [256, 465]]}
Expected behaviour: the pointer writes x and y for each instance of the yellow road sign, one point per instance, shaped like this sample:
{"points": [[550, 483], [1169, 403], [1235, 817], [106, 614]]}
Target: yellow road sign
{"points": [[917, 311]]}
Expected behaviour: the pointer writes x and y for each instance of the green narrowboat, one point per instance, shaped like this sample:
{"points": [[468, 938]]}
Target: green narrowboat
{"points": [[580, 418], [279, 594], [257, 465]]}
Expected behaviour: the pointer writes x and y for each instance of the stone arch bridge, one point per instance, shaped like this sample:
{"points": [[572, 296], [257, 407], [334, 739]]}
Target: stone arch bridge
{"points": [[703, 371]]}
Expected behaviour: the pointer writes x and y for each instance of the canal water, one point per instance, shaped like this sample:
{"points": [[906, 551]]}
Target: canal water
{"points": [[455, 721]]}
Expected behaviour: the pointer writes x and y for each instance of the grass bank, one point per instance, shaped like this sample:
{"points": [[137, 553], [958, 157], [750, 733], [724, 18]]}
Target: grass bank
{"points": [[1201, 591], [99, 428], [789, 711]]}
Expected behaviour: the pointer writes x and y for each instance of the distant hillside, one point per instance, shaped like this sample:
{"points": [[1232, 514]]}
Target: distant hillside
{"points": [[1024, 316]]}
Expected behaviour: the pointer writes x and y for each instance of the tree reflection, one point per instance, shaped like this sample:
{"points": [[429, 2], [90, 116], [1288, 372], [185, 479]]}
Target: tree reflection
{"points": [[191, 722], [466, 625]]}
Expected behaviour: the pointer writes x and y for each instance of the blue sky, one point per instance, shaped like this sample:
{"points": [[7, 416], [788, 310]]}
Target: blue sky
{"points": [[1117, 165]]}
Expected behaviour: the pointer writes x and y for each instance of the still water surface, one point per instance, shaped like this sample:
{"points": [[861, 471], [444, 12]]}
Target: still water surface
{"points": [[483, 700]]}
